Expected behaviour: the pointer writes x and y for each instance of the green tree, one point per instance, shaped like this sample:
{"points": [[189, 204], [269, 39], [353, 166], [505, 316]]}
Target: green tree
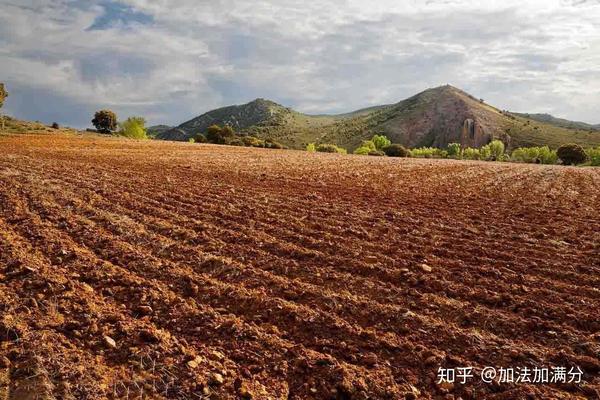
{"points": [[3, 95], [216, 134], [471, 154], [571, 154], [395, 150], [380, 141], [454, 150], [330, 148], [199, 138], [133, 128], [496, 149], [105, 121], [213, 134]]}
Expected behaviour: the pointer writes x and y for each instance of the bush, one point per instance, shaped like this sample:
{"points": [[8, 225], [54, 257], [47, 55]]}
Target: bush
{"points": [[330, 148], [395, 150], [235, 142], [133, 128], [537, 155], [428, 152], [571, 154], [55, 125], [454, 150], [200, 138], [594, 156], [311, 148], [377, 153], [493, 151], [363, 151], [380, 141], [3, 94], [271, 144], [105, 121], [471, 154], [252, 141], [192, 140], [216, 134]]}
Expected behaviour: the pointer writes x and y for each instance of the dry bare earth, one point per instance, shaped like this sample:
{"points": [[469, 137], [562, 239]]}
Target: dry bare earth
{"points": [[176, 270]]}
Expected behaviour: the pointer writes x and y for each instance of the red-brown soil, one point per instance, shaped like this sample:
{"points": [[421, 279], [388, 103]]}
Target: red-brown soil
{"points": [[183, 271]]}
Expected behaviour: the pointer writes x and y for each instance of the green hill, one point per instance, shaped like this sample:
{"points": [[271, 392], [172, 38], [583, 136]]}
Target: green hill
{"points": [[434, 117]]}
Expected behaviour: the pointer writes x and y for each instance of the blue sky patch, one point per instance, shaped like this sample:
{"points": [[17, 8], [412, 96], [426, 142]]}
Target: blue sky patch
{"points": [[118, 14]]}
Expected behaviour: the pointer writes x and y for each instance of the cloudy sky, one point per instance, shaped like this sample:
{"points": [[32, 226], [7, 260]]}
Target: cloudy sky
{"points": [[170, 60]]}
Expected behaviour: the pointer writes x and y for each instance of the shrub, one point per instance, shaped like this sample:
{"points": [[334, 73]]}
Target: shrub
{"points": [[192, 140], [235, 142], [200, 138], [363, 151], [105, 121], [395, 150], [311, 148], [471, 154], [492, 151], [571, 154], [227, 131], [380, 141], [454, 150], [330, 148], [538, 155], [252, 141], [271, 144], [377, 153], [428, 152], [133, 128], [216, 134], [3, 94], [594, 156], [55, 125]]}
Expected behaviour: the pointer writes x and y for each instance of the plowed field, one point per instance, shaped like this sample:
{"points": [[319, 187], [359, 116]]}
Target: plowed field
{"points": [[184, 271]]}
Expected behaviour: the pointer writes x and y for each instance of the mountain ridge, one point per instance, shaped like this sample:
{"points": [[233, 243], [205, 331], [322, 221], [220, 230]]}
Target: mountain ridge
{"points": [[433, 117]]}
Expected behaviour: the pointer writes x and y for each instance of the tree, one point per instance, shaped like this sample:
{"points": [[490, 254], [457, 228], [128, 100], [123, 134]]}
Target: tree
{"points": [[395, 150], [571, 154], [454, 150], [199, 138], [227, 131], [213, 134], [133, 128], [496, 149], [3, 95], [105, 121], [365, 147], [380, 141]]}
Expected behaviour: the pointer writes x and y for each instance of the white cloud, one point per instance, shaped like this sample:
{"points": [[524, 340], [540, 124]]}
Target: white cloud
{"points": [[315, 55]]}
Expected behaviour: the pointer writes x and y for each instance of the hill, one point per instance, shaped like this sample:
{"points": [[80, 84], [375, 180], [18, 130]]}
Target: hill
{"points": [[561, 122], [434, 117], [155, 130]]}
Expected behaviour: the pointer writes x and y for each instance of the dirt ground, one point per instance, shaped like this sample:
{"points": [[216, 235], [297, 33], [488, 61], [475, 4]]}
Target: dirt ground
{"points": [[184, 271]]}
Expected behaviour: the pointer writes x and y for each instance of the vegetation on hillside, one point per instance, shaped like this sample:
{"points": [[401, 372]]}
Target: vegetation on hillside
{"points": [[433, 118]]}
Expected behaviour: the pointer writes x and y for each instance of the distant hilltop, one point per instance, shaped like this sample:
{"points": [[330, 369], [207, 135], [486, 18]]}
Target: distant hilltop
{"points": [[434, 117]]}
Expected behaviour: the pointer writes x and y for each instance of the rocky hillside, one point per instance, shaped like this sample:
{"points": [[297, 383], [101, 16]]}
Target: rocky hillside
{"points": [[434, 117], [561, 122]]}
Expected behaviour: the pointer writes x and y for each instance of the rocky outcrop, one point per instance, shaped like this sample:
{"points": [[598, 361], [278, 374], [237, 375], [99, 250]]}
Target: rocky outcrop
{"points": [[473, 134]]}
